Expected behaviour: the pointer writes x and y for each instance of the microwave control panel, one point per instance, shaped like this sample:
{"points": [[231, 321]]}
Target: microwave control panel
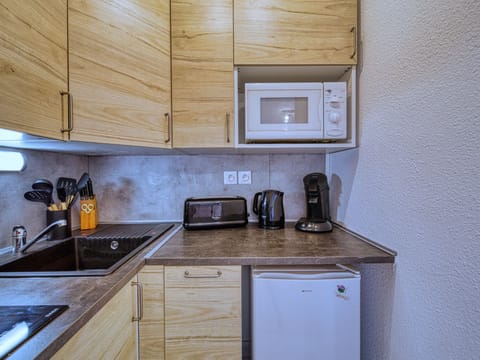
{"points": [[335, 110]]}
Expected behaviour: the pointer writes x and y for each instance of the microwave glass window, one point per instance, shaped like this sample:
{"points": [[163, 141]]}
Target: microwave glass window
{"points": [[284, 110]]}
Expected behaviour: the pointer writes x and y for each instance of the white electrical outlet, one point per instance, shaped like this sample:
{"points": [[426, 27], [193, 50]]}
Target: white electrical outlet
{"points": [[229, 177], [245, 177]]}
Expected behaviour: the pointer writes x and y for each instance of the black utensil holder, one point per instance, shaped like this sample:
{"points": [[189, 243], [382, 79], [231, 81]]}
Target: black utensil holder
{"points": [[61, 232]]}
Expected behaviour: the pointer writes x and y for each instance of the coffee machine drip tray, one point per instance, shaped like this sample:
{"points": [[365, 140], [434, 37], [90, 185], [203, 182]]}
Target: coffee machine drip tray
{"points": [[311, 225]]}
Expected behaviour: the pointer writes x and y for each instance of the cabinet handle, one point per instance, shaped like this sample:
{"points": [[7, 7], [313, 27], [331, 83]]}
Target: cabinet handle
{"points": [[187, 275], [354, 31], [227, 121], [139, 301], [167, 117], [70, 111]]}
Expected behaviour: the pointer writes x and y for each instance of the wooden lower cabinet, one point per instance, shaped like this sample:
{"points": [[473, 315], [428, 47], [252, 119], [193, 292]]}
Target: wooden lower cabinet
{"points": [[187, 313], [151, 330], [203, 312], [110, 334]]}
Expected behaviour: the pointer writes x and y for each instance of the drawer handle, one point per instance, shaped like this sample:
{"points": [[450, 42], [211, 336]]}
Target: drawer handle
{"points": [[139, 301], [187, 275]]}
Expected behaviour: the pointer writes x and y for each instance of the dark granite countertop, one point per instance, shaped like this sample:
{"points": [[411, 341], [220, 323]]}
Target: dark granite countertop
{"points": [[235, 246], [252, 245]]}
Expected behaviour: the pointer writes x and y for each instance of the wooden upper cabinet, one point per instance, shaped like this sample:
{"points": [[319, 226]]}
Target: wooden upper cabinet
{"points": [[285, 32], [119, 56], [33, 65], [202, 73]]}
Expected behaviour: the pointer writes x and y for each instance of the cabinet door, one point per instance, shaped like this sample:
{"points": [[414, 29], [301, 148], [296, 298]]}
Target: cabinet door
{"points": [[110, 334], [120, 71], [202, 73], [33, 65], [203, 312], [285, 32], [151, 326]]}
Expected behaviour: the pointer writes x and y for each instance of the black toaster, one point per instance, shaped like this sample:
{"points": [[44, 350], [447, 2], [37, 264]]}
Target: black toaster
{"points": [[214, 212]]}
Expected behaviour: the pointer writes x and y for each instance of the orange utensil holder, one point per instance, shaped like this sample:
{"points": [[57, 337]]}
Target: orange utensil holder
{"points": [[88, 214]]}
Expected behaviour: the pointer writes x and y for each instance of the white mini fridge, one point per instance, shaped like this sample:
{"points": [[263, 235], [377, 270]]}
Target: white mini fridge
{"points": [[305, 313]]}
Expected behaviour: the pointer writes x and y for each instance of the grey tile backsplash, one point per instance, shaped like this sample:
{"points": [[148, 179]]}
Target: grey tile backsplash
{"points": [[153, 188], [15, 210]]}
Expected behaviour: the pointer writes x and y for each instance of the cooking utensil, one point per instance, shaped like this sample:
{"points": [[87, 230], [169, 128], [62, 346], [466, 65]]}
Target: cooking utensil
{"points": [[80, 185], [38, 196], [90, 192], [82, 182], [44, 184], [69, 185], [62, 196]]}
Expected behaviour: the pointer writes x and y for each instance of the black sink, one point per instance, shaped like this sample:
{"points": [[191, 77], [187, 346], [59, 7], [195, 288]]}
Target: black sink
{"points": [[94, 255]]}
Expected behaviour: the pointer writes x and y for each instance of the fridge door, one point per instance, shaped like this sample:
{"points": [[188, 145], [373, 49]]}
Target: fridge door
{"points": [[305, 315]]}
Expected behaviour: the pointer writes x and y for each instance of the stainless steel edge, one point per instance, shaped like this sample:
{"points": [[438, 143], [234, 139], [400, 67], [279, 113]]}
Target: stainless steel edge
{"points": [[164, 240], [368, 241]]}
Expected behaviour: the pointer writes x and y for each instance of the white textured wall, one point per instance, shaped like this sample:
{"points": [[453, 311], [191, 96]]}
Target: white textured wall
{"points": [[413, 184]]}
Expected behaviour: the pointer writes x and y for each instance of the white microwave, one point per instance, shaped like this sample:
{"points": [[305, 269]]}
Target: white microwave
{"points": [[302, 112]]}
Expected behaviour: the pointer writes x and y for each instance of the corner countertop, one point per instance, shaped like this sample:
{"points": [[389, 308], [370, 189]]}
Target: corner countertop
{"points": [[85, 296], [251, 245], [248, 245]]}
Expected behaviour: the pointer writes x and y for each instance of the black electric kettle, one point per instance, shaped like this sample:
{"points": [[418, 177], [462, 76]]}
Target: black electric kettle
{"points": [[268, 205]]}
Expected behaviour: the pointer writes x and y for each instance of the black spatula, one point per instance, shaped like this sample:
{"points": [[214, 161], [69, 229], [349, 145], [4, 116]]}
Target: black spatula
{"points": [[38, 196], [70, 188]]}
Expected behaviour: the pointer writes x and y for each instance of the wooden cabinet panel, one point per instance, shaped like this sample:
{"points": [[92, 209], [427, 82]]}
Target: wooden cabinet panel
{"points": [[110, 334], [202, 73], [203, 312], [285, 32], [151, 326], [33, 65], [120, 71]]}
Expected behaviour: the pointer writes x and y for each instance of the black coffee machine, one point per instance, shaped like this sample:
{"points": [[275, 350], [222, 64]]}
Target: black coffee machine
{"points": [[318, 208]]}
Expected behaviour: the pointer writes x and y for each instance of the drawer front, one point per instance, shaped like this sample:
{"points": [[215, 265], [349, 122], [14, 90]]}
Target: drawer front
{"points": [[203, 312]]}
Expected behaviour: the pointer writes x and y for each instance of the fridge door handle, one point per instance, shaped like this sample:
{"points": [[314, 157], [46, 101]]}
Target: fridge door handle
{"points": [[293, 273]]}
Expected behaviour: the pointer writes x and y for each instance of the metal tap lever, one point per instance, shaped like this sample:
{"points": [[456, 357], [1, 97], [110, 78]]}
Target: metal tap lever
{"points": [[49, 228]]}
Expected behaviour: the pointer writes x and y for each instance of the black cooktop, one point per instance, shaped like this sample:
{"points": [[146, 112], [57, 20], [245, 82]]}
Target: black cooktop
{"points": [[19, 323]]}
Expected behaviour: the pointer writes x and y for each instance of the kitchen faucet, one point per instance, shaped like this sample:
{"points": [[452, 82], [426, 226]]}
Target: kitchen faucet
{"points": [[48, 229]]}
